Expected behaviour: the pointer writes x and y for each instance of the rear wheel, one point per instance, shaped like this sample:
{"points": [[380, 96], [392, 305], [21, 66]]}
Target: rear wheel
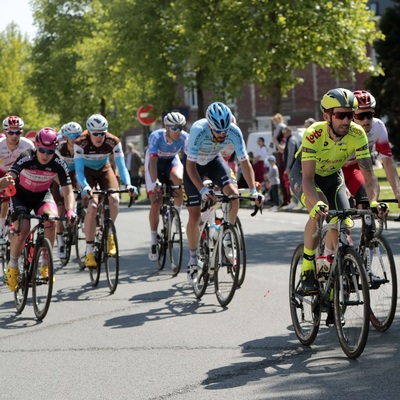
{"points": [[42, 279], [175, 246], [204, 258], [21, 294], [162, 242], [227, 260], [68, 239], [351, 304], [304, 310], [95, 272], [4, 258], [111, 261], [80, 243], [243, 258]]}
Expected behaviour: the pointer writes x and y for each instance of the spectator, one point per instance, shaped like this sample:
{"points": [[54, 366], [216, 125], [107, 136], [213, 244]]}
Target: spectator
{"points": [[259, 161], [308, 122], [272, 182], [134, 162]]}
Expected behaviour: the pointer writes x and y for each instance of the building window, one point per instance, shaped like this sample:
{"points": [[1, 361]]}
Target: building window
{"points": [[374, 6], [191, 98]]}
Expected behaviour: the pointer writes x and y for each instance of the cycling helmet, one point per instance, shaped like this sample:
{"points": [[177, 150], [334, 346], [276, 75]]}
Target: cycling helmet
{"points": [[219, 116], [174, 119], [47, 138], [97, 123], [71, 130], [338, 98], [365, 99], [13, 122]]}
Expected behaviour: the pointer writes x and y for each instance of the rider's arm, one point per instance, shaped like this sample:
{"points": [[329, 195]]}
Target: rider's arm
{"points": [[248, 173], [392, 175], [123, 171], [69, 198], [80, 166], [153, 161], [371, 181]]}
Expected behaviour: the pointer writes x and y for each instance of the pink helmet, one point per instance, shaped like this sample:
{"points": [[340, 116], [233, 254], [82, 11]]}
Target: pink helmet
{"points": [[47, 138]]}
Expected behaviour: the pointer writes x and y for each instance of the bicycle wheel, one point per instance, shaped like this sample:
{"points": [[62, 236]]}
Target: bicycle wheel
{"points": [[162, 242], [351, 304], [243, 255], [304, 310], [42, 279], [111, 261], [382, 280], [21, 294], [95, 272], [175, 247], [226, 278], [200, 286], [4, 258], [68, 239], [80, 243]]}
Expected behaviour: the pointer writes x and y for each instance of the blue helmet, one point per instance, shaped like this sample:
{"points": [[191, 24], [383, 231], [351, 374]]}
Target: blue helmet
{"points": [[219, 116]]}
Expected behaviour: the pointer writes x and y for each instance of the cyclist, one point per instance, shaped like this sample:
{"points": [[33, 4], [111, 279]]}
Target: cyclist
{"points": [[70, 132], [33, 173], [378, 136], [11, 146], [92, 152], [316, 178], [208, 136], [162, 163]]}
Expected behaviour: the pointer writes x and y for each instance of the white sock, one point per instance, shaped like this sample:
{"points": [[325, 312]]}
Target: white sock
{"points": [[2, 225], [89, 248], [60, 240], [154, 239]]}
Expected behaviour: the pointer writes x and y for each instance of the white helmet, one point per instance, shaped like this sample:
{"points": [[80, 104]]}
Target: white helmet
{"points": [[97, 123], [72, 130], [13, 122], [174, 118]]}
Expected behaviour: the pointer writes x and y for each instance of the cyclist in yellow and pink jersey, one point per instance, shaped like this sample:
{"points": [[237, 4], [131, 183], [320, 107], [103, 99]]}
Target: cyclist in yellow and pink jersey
{"points": [[316, 178]]}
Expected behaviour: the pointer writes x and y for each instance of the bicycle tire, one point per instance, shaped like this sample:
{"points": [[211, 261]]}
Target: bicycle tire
{"points": [[175, 243], [68, 239], [111, 262], [351, 315], [305, 311], [4, 257], [162, 242], [243, 255], [226, 276], [200, 286], [80, 243], [42, 286], [383, 296], [94, 273], [21, 294]]}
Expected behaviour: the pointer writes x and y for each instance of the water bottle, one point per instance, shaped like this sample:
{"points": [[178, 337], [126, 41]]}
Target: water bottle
{"points": [[216, 231]]}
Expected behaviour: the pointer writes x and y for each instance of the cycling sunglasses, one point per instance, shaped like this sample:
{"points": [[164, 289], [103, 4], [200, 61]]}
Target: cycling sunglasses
{"points": [[176, 128], [72, 135], [363, 115], [45, 151], [343, 114], [11, 133], [98, 133], [220, 131]]}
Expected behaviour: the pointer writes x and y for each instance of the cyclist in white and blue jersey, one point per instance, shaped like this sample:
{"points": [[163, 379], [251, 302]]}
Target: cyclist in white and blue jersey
{"points": [[207, 138], [162, 163], [92, 152]]}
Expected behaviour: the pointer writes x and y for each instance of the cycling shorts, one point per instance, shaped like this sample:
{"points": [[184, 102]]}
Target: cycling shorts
{"points": [[104, 177]]}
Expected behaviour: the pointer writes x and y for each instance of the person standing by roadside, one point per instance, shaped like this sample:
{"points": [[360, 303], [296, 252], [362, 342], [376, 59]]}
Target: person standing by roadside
{"points": [[134, 162]]}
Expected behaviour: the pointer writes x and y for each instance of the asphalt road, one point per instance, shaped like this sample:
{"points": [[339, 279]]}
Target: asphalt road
{"points": [[154, 340]]}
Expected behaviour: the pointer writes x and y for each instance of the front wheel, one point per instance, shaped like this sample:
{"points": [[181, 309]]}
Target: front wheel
{"points": [[68, 239], [243, 255], [111, 256], [201, 284], [95, 272], [42, 279], [351, 304], [80, 243], [21, 294], [162, 242], [175, 246], [304, 310], [227, 262]]}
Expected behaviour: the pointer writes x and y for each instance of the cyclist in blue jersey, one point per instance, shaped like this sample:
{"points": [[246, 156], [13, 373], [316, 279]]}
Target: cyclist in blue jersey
{"points": [[92, 151], [208, 136], [162, 163]]}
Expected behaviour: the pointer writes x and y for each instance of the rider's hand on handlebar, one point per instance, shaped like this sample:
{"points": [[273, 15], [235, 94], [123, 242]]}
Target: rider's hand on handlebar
{"points": [[207, 194], [71, 216], [132, 190], [382, 209], [86, 192], [320, 208], [258, 197]]}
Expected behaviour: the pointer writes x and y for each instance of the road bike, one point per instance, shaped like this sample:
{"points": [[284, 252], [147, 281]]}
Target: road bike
{"points": [[343, 291], [170, 236], [219, 251], [379, 264], [104, 229], [32, 272]]}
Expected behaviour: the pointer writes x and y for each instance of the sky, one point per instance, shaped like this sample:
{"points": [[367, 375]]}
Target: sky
{"points": [[18, 11]]}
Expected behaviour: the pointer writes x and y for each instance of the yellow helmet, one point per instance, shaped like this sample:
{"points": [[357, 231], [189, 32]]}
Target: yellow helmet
{"points": [[339, 98]]}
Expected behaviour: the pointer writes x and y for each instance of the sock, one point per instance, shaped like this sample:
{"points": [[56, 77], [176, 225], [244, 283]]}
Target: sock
{"points": [[308, 260], [2, 225], [179, 208], [193, 257], [60, 240], [153, 235], [327, 252], [89, 248], [13, 263]]}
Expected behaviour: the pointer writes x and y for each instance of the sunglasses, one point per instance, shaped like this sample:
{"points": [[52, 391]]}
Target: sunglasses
{"points": [[176, 128], [11, 133], [45, 151], [363, 115], [97, 133], [72, 135], [344, 114], [220, 131]]}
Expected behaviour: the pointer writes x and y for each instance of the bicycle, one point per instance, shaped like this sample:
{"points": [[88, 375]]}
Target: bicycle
{"points": [[380, 267], [104, 228], [219, 251], [170, 236], [37, 253], [343, 290]]}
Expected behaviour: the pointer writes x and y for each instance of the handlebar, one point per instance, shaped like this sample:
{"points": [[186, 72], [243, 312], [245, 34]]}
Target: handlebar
{"points": [[108, 192]]}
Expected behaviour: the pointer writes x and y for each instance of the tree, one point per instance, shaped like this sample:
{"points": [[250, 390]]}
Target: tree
{"points": [[386, 88]]}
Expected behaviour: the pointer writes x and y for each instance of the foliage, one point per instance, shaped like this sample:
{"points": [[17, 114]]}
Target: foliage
{"points": [[386, 88]]}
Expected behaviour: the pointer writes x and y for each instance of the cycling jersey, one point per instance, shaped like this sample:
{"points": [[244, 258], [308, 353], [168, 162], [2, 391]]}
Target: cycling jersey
{"points": [[8, 157], [34, 178], [202, 148], [64, 153], [87, 155], [159, 146], [330, 156], [377, 136]]}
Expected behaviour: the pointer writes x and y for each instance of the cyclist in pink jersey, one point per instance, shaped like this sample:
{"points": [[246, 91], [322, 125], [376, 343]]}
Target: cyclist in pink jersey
{"points": [[32, 174]]}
